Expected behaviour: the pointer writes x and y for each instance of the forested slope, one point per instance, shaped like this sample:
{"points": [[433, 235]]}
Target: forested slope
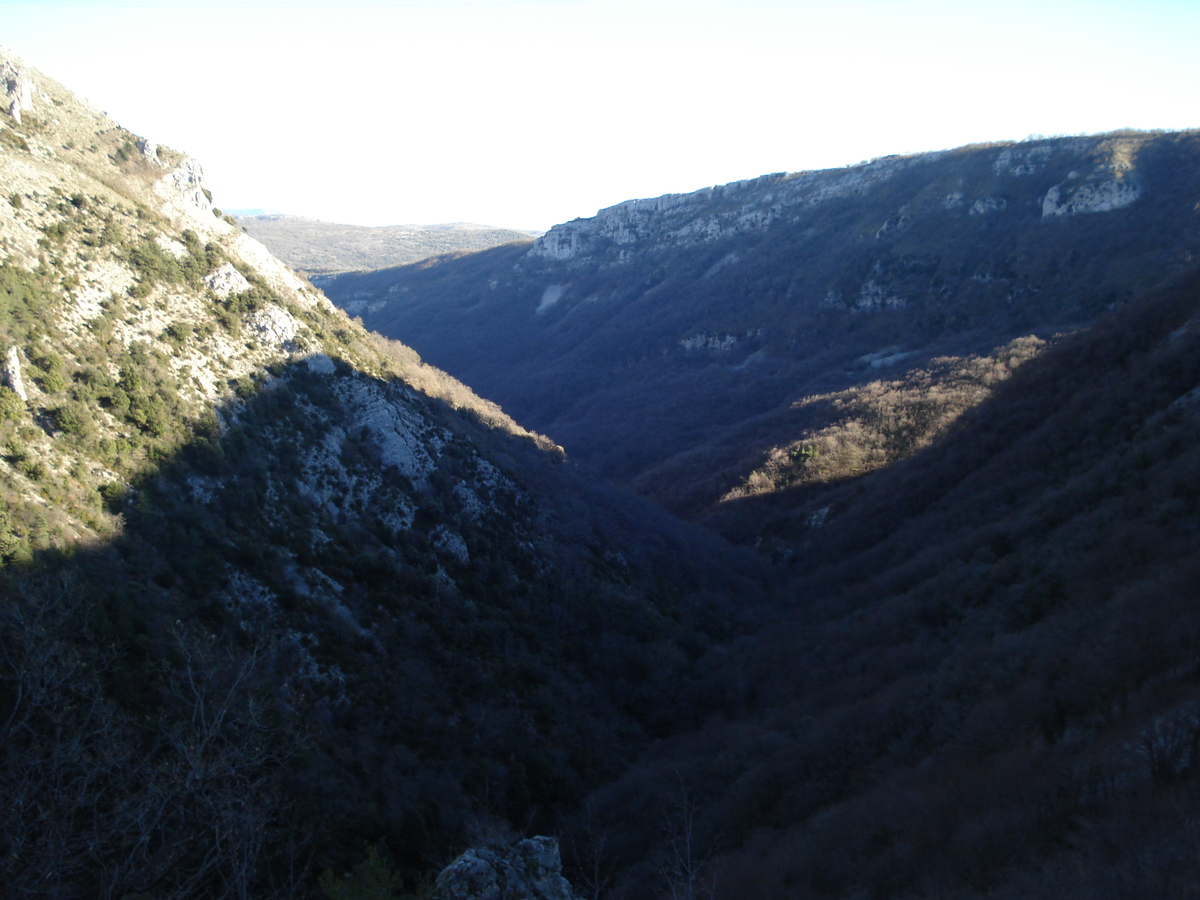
{"points": [[989, 686]]}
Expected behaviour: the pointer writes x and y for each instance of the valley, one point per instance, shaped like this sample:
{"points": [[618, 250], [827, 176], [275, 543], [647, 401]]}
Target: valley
{"points": [[721, 316], [825, 535]]}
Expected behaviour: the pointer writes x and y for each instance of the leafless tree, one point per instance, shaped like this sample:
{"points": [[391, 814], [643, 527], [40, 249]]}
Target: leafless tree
{"points": [[100, 801], [686, 863]]}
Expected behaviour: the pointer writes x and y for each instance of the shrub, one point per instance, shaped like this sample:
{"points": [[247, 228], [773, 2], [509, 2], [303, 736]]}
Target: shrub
{"points": [[53, 369], [75, 419], [11, 406]]}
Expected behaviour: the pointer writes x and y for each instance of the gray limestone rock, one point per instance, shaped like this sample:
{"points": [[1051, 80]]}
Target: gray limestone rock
{"points": [[10, 373], [18, 88], [530, 870]]}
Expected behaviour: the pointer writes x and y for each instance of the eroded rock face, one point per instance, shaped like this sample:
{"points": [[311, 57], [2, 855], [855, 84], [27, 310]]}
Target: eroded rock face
{"points": [[226, 280], [530, 870], [18, 86], [1104, 196], [10, 373]]}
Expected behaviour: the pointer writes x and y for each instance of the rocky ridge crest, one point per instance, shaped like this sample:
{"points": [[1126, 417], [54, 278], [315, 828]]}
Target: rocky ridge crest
{"points": [[723, 211]]}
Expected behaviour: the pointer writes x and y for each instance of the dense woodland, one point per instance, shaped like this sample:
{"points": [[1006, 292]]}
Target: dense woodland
{"points": [[316, 636]]}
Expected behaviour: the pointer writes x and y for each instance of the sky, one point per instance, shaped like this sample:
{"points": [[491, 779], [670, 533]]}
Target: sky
{"points": [[527, 113]]}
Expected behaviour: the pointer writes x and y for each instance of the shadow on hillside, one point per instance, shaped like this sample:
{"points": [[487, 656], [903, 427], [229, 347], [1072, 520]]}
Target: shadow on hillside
{"points": [[301, 641], [994, 642]]}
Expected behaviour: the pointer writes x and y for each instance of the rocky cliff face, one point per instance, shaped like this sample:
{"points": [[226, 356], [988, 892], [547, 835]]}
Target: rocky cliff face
{"points": [[1100, 179]]}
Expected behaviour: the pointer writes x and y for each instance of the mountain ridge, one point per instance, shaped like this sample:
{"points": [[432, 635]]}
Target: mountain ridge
{"points": [[660, 328]]}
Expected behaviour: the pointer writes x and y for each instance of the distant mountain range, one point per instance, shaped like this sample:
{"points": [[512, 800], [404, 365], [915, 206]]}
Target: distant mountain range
{"points": [[320, 248]]}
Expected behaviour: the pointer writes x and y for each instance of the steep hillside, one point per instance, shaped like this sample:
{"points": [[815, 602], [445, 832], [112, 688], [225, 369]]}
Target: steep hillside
{"points": [[705, 346], [273, 589], [989, 687], [319, 248]]}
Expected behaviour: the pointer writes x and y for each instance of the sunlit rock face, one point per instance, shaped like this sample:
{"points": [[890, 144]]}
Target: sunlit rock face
{"points": [[1093, 197]]}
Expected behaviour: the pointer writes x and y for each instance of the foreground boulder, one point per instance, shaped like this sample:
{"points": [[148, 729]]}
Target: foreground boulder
{"points": [[530, 870]]}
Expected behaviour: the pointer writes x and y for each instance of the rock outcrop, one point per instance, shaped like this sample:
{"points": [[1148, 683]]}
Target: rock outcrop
{"points": [[1092, 197], [530, 870], [18, 87], [10, 373]]}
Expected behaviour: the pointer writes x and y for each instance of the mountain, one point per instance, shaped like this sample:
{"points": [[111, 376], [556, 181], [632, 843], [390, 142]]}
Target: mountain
{"points": [[321, 248], [286, 611], [276, 592], [757, 338]]}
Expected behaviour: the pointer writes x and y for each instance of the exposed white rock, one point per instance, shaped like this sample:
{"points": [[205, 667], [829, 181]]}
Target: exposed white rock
{"points": [[550, 296], [99, 281], [874, 296], [449, 542], [18, 85], [10, 373], [986, 205], [321, 364], [274, 326], [712, 213], [398, 431], [881, 359], [728, 259], [183, 195], [248, 599], [358, 307], [169, 245], [149, 150], [1089, 197], [1022, 160], [894, 225], [226, 280], [707, 340], [277, 275]]}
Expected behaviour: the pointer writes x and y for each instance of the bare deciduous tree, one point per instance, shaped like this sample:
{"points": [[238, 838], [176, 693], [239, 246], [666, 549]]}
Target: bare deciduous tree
{"points": [[100, 801]]}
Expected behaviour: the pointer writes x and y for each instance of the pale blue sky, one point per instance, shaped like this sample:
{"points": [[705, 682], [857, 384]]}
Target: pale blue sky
{"points": [[531, 112]]}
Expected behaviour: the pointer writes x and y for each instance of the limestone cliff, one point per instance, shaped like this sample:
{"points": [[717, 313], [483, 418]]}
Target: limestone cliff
{"points": [[719, 213]]}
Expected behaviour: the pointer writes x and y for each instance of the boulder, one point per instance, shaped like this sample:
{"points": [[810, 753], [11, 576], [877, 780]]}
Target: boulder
{"points": [[528, 870]]}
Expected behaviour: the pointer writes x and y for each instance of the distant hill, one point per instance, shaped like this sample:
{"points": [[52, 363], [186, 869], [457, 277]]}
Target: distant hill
{"points": [[318, 248]]}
